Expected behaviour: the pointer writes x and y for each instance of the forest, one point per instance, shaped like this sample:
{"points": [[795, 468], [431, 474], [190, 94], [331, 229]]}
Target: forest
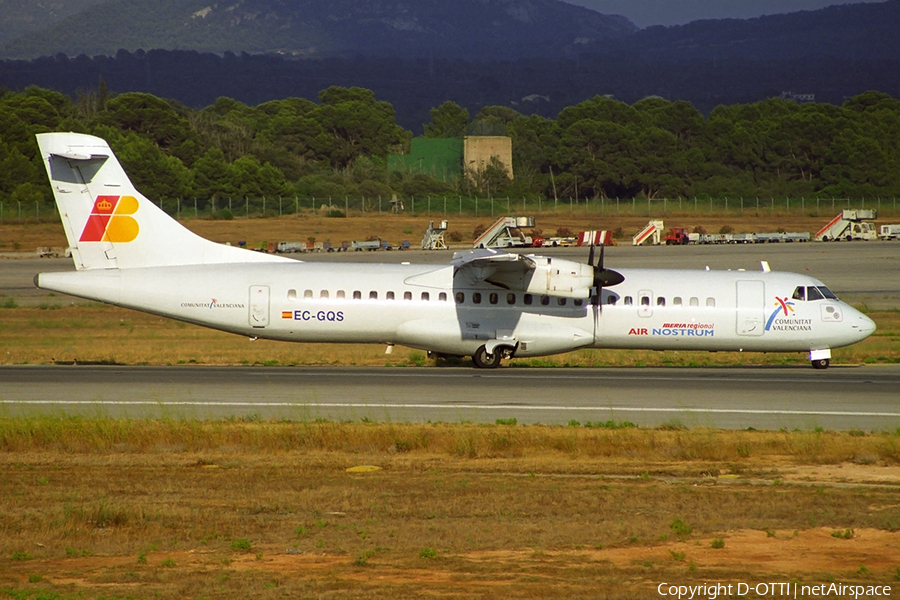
{"points": [[337, 148]]}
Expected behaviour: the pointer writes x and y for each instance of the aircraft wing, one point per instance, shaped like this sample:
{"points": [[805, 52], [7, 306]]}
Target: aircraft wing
{"points": [[532, 274], [488, 256]]}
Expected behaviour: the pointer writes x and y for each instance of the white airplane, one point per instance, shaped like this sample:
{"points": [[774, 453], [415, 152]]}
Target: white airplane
{"points": [[486, 304]]}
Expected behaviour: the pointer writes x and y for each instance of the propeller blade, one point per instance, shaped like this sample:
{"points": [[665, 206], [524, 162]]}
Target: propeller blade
{"points": [[605, 277], [591, 254]]}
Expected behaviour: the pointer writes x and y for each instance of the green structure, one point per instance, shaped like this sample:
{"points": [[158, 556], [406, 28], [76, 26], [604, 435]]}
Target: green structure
{"points": [[440, 158]]}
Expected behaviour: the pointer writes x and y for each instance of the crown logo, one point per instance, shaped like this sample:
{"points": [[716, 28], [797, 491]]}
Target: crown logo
{"points": [[111, 220]]}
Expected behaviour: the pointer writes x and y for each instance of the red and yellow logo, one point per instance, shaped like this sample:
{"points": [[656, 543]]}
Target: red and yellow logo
{"points": [[111, 220]]}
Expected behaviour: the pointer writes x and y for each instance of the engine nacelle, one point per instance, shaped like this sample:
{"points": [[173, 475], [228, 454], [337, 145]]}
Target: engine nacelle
{"points": [[552, 276]]}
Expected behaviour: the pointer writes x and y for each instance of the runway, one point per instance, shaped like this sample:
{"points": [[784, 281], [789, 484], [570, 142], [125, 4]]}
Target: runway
{"points": [[841, 398]]}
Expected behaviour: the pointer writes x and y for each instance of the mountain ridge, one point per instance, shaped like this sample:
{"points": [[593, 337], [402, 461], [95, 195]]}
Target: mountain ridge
{"points": [[466, 29]]}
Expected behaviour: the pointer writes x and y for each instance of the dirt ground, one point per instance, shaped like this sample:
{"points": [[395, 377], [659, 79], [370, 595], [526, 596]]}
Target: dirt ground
{"points": [[809, 555], [781, 554]]}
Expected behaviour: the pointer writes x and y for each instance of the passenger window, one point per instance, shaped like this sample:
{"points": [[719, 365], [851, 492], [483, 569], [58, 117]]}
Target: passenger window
{"points": [[323, 294], [493, 298], [660, 301], [628, 301], [442, 296], [545, 300], [307, 294], [407, 295], [578, 301], [711, 302], [611, 300], [292, 294], [813, 293], [695, 301], [425, 296], [389, 295], [357, 295], [476, 298], [561, 301], [510, 298], [676, 301], [799, 293], [340, 294], [373, 295], [528, 299], [460, 298], [645, 300]]}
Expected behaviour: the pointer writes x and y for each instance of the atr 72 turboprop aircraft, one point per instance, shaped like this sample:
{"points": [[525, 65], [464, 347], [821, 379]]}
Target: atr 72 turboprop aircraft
{"points": [[486, 304]]}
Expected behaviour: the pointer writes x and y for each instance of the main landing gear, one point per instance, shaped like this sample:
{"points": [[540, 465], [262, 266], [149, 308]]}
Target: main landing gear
{"points": [[821, 363], [484, 359]]}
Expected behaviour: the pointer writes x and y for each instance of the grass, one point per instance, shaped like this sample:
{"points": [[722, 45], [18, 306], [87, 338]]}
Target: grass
{"points": [[168, 508], [121, 336]]}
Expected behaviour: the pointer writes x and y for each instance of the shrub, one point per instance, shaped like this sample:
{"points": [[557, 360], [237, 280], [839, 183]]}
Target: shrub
{"points": [[241, 544], [681, 529]]}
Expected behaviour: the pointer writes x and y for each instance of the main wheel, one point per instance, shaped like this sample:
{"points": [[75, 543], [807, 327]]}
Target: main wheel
{"points": [[483, 360], [821, 363]]}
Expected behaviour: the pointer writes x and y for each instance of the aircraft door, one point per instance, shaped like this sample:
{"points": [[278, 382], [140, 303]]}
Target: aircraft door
{"points": [[751, 308], [259, 306]]}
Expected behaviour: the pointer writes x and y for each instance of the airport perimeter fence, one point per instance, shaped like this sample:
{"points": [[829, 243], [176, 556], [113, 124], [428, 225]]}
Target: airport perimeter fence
{"points": [[450, 206]]}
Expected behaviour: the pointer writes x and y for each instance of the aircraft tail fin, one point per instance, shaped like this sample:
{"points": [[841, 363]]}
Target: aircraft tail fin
{"points": [[108, 223]]}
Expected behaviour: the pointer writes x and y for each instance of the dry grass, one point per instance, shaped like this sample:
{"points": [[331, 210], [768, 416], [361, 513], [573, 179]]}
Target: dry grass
{"points": [[184, 509], [395, 228], [106, 334]]}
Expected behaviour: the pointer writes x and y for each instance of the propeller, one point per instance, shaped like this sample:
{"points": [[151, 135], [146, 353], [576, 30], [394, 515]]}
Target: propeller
{"points": [[603, 277]]}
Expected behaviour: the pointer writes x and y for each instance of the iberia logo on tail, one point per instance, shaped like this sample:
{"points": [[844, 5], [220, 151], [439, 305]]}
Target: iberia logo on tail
{"points": [[111, 220]]}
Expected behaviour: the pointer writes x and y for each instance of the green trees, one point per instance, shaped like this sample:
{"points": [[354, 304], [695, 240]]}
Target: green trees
{"points": [[337, 148], [449, 120]]}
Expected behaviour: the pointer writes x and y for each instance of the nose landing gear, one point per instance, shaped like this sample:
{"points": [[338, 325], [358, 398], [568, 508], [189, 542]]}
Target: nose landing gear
{"points": [[820, 359]]}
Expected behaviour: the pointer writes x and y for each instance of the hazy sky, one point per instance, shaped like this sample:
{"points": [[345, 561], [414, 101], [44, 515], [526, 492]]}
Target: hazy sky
{"points": [[676, 12]]}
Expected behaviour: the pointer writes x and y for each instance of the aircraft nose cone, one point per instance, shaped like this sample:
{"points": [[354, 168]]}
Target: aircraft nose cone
{"points": [[866, 325], [863, 325]]}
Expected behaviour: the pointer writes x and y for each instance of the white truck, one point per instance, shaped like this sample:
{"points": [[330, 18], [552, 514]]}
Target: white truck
{"points": [[889, 232], [849, 225], [506, 232]]}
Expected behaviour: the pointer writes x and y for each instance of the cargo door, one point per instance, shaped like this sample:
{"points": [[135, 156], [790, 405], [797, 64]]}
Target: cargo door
{"points": [[751, 308], [259, 306]]}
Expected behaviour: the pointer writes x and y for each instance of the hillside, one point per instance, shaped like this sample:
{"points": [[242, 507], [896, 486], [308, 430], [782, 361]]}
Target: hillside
{"points": [[467, 29], [21, 17], [853, 31], [645, 13]]}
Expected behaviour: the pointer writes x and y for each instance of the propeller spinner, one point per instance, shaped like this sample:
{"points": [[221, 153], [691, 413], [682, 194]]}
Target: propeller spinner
{"points": [[603, 277]]}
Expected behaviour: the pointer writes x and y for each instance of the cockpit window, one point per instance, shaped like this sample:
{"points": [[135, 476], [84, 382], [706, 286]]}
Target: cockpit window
{"points": [[799, 293], [813, 293], [827, 293]]}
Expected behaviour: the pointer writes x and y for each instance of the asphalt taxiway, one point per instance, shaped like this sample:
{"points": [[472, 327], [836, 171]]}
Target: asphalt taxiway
{"points": [[841, 398]]}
